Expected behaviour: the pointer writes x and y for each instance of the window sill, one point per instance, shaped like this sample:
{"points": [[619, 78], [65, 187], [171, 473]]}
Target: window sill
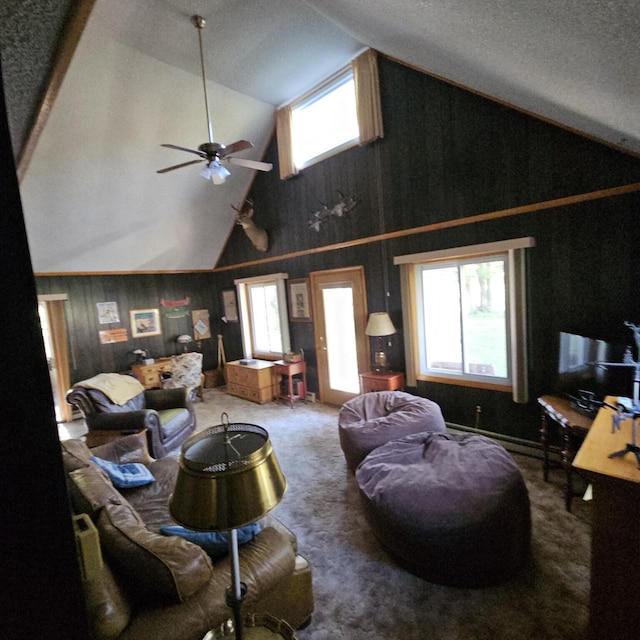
{"points": [[464, 382]]}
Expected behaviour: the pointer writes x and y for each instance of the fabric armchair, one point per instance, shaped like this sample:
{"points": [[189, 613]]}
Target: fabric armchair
{"points": [[186, 371], [167, 414]]}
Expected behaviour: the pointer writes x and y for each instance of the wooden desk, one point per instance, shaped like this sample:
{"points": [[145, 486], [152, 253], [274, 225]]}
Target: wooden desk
{"points": [[288, 370], [615, 529], [374, 381], [150, 375], [574, 427]]}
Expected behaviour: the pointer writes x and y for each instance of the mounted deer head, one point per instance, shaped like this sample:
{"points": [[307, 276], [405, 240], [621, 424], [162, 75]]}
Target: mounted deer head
{"points": [[257, 235]]}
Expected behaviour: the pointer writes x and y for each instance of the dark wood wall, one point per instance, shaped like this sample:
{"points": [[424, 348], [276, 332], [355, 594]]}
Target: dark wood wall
{"points": [[88, 356], [448, 157]]}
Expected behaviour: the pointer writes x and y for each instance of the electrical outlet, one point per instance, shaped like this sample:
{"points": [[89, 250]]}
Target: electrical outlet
{"points": [[311, 396]]}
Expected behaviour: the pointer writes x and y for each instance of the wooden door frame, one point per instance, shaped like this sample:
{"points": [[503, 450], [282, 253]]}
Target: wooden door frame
{"points": [[362, 343], [58, 328]]}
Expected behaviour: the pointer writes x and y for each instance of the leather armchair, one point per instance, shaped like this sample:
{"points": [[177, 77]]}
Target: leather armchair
{"points": [[167, 415]]}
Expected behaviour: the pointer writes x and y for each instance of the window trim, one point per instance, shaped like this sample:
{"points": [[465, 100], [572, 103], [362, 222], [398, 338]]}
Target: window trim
{"points": [[242, 287], [517, 311]]}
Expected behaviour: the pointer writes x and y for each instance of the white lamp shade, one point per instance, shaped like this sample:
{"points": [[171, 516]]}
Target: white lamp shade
{"points": [[380, 324]]}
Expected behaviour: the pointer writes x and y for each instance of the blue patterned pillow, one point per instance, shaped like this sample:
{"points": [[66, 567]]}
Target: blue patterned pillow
{"points": [[125, 476], [214, 543]]}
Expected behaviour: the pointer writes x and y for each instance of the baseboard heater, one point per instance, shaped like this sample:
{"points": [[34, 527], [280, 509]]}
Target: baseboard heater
{"points": [[510, 443]]}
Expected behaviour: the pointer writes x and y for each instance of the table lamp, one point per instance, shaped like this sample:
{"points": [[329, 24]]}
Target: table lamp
{"points": [[379, 326], [184, 340], [228, 477]]}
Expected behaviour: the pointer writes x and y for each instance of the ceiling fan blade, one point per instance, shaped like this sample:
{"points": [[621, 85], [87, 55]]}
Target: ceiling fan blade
{"points": [[234, 147], [251, 164], [175, 146], [179, 166]]}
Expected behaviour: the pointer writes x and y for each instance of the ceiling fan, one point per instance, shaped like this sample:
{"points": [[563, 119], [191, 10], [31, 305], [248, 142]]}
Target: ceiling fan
{"points": [[214, 153]]}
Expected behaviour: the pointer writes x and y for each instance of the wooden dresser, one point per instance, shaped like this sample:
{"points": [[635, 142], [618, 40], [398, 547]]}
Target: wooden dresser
{"points": [[150, 374], [255, 382]]}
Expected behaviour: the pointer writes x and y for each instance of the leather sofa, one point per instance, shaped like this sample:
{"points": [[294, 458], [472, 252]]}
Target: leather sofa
{"points": [[167, 415], [157, 587]]}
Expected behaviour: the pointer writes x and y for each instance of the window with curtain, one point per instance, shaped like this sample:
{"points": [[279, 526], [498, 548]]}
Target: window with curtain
{"points": [[338, 114], [263, 316], [466, 313]]}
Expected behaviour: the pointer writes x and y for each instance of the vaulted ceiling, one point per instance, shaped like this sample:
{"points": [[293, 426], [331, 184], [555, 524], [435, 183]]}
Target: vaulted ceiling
{"points": [[92, 199]]}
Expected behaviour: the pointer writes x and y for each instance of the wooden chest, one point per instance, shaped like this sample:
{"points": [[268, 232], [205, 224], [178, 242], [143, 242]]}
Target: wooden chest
{"points": [[253, 382]]}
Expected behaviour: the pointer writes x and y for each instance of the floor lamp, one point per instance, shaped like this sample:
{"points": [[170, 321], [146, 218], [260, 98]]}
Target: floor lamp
{"points": [[228, 477], [379, 326]]}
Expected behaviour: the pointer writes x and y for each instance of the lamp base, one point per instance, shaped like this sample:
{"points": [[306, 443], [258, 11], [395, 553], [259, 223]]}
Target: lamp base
{"points": [[257, 626], [380, 362]]}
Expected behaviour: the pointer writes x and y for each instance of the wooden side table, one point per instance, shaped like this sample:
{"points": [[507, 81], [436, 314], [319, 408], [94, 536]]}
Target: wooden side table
{"points": [[290, 369], [574, 428], [376, 381]]}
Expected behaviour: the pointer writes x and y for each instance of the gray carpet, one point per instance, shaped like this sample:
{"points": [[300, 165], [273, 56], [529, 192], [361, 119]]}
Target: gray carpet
{"points": [[360, 594]]}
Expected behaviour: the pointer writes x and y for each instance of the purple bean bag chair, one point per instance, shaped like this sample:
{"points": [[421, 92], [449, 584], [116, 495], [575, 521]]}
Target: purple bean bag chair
{"points": [[453, 509], [372, 419]]}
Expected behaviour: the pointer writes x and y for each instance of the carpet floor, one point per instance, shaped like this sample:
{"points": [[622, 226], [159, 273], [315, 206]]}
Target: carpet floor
{"points": [[361, 594]]}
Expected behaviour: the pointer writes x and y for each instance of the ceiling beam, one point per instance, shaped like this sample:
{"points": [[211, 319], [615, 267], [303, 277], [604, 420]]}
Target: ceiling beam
{"points": [[68, 42]]}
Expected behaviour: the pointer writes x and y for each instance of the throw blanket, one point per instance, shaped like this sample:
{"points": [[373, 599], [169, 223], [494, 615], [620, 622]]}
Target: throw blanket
{"points": [[117, 387]]}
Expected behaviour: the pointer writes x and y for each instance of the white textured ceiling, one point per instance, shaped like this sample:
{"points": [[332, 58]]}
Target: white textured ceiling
{"points": [[134, 83], [574, 61]]}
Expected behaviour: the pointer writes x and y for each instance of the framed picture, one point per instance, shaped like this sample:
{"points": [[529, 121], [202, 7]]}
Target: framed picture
{"points": [[299, 301], [230, 305], [145, 322], [108, 312]]}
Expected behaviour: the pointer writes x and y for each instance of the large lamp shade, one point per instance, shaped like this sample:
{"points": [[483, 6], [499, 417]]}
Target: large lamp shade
{"points": [[228, 477], [380, 324]]}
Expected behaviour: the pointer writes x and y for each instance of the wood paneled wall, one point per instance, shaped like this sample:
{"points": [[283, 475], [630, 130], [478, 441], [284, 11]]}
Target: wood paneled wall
{"points": [[448, 158], [88, 356]]}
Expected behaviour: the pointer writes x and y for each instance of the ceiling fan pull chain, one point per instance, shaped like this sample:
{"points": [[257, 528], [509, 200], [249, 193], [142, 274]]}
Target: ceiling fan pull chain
{"points": [[199, 22]]}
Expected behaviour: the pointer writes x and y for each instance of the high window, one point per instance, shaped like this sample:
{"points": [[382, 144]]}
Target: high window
{"points": [[326, 121], [263, 316], [466, 313], [341, 112]]}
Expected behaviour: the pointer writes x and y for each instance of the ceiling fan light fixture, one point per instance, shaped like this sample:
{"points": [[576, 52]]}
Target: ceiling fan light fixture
{"points": [[217, 173]]}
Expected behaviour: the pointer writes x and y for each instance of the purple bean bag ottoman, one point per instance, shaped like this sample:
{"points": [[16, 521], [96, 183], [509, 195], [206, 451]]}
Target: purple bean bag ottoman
{"points": [[372, 419], [453, 509]]}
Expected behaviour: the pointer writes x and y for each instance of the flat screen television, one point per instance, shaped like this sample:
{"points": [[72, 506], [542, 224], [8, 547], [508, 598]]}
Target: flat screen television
{"points": [[583, 379]]}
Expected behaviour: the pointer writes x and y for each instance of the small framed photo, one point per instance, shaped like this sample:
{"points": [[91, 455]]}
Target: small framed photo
{"points": [[145, 322], [299, 301], [108, 312], [230, 305]]}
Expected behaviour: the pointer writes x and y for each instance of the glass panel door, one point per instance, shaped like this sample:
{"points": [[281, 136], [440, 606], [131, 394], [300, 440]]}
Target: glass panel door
{"points": [[340, 334], [339, 318]]}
